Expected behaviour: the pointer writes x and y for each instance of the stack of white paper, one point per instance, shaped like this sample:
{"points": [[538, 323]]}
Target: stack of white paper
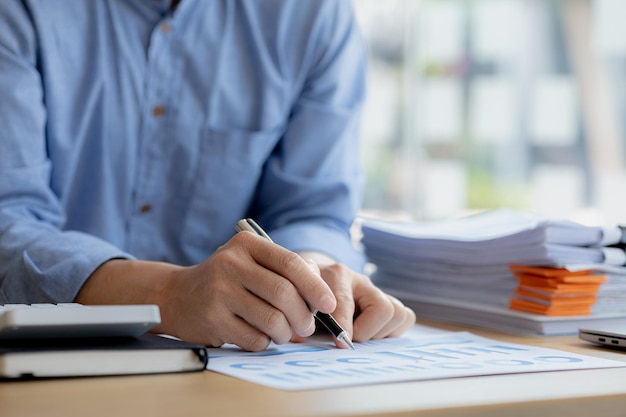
{"points": [[494, 237], [467, 259]]}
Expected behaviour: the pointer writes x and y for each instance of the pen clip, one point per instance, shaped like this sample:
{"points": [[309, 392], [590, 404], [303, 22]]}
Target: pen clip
{"points": [[250, 225]]}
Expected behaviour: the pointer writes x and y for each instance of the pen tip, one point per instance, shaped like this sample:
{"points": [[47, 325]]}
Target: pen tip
{"points": [[345, 339]]}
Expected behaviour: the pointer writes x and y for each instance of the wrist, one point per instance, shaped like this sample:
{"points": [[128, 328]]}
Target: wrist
{"points": [[125, 281]]}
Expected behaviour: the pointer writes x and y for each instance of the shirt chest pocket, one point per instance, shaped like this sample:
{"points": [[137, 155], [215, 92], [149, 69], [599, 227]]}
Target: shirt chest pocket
{"points": [[228, 169], [221, 151]]}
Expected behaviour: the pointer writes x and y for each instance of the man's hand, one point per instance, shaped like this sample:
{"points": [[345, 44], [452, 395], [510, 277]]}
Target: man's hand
{"points": [[249, 292], [363, 310]]}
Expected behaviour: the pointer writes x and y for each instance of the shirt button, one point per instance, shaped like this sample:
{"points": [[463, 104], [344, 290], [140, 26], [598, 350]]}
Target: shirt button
{"points": [[158, 111], [145, 208], [165, 27]]}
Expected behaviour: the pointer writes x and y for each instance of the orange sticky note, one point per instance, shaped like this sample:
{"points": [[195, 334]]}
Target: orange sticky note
{"points": [[531, 307], [555, 299], [547, 271]]}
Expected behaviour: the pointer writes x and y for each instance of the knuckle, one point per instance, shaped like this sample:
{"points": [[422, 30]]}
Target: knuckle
{"points": [[340, 268], [401, 310], [242, 237], [337, 270], [288, 260], [343, 297], [282, 291], [255, 342], [272, 319], [410, 315], [226, 258], [387, 307]]}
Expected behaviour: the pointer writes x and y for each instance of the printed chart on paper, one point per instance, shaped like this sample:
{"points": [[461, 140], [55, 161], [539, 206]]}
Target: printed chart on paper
{"points": [[416, 356]]}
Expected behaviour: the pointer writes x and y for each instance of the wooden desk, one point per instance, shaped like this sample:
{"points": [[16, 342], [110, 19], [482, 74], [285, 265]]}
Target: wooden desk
{"points": [[568, 393]]}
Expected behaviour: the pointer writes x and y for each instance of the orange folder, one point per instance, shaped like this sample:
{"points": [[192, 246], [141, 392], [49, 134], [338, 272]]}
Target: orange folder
{"points": [[531, 307], [547, 271], [555, 291], [552, 299]]}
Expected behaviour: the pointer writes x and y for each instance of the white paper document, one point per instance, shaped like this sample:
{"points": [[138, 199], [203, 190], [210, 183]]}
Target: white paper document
{"points": [[416, 356], [496, 237]]}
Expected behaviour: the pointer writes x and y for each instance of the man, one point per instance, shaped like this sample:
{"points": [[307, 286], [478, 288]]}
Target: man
{"points": [[135, 133]]}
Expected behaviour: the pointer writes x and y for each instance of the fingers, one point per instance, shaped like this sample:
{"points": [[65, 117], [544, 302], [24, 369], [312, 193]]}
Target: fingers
{"points": [[266, 318], [275, 298], [403, 318], [261, 292], [299, 273], [378, 315], [376, 311], [251, 292], [339, 278], [381, 315], [242, 334]]}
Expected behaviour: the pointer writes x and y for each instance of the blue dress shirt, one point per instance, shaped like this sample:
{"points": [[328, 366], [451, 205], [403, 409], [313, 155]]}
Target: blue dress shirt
{"points": [[128, 131]]}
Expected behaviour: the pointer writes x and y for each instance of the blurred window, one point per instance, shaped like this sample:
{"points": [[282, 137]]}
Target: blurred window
{"points": [[479, 104]]}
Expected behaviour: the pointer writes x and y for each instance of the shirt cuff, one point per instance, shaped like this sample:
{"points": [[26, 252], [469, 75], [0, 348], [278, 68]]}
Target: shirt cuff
{"points": [[55, 276]]}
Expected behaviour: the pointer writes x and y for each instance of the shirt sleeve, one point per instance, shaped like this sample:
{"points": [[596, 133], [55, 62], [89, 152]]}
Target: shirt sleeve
{"points": [[312, 186], [39, 262]]}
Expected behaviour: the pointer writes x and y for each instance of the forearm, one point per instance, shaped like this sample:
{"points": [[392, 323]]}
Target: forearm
{"points": [[123, 281]]}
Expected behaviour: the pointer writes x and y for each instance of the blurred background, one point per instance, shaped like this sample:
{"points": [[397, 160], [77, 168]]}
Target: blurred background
{"points": [[481, 104]]}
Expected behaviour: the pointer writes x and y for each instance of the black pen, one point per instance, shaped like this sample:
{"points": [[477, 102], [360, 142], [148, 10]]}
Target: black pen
{"points": [[326, 319]]}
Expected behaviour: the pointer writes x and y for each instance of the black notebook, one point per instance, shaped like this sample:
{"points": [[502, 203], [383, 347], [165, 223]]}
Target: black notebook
{"points": [[54, 358]]}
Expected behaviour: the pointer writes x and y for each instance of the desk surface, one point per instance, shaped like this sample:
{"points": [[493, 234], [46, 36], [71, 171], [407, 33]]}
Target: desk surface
{"points": [[566, 393]]}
